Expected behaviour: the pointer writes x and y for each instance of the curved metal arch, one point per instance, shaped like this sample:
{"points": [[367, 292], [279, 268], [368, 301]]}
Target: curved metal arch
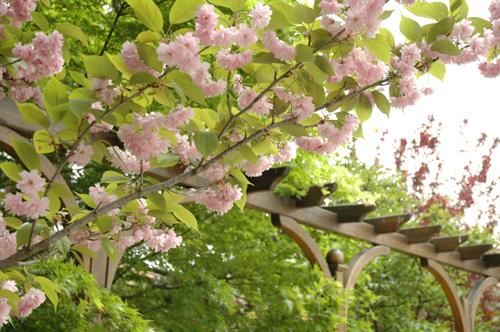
{"points": [[304, 240], [360, 261], [460, 317], [475, 295]]}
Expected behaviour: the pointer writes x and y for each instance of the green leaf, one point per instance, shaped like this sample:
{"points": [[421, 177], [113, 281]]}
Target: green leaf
{"points": [[40, 20], [443, 27], [148, 36], [243, 182], [323, 64], [109, 249], [363, 108], [26, 152], [187, 87], [113, 177], [100, 67], [73, 31], [410, 29], [459, 9], [11, 297], [23, 235], [105, 223], [49, 288], [13, 222], [55, 93], [304, 53], [184, 215], [438, 69], [444, 46], [300, 13], [12, 170], [206, 142], [382, 102], [85, 251], [32, 114], [148, 13], [432, 10], [480, 24], [142, 78], [183, 10], [43, 142], [234, 5], [378, 46], [165, 160]]}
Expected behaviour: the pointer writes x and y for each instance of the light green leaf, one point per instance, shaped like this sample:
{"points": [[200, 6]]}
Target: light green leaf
{"points": [[23, 235], [148, 36], [323, 64], [234, 5], [410, 29], [187, 87], [100, 67], [363, 108], [32, 114], [441, 28], [382, 102], [206, 142], [113, 177], [40, 20], [142, 78], [73, 31], [304, 53], [432, 10], [85, 251], [43, 142], [148, 13], [13, 222], [183, 10], [12, 170], [165, 160], [184, 215], [445, 46], [438, 69], [55, 93], [459, 9], [378, 46], [49, 288], [109, 249], [26, 152]]}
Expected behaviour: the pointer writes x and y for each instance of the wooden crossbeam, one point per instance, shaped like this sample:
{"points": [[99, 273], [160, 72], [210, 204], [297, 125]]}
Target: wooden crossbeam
{"points": [[492, 260], [474, 251], [350, 212], [448, 243], [420, 234], [388, 224], [325, 220]]}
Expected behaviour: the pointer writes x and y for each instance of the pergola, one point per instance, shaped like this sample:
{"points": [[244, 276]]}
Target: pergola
{"points": [[290, 215]]}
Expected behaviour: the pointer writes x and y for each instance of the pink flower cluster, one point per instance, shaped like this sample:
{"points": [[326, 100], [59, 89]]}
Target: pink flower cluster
{"points": [[331, 137], [19, 10], [360, 64], [82, 155], [279, 48], [231, 61], [218, 198], [247, 97], [264, 163], [178, 117], [143, 138], [215, 172], [302, 106], [105, 91], [97, 127], [363, 16], [8, 242], [127, 162], [43, 56], [28, 203], [132, 59], [329, 7], [101, 198], [261, 16], [183, 53], [405, 65], [491, 69], [185, 149], [21, 91], [31, 300]]}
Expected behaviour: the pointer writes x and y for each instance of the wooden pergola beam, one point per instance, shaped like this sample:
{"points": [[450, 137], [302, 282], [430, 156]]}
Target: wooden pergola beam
{"points": [[325, 220]]}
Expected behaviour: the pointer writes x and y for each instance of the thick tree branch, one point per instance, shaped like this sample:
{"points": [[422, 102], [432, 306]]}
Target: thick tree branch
{"points": [[45, 244]]}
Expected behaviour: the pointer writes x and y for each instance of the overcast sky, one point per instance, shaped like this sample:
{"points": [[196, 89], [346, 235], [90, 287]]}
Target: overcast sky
{"points": [[463, 94]]}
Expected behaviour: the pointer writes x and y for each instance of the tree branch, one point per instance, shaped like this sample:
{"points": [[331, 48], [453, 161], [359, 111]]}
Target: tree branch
{"points": [[42, 245]]}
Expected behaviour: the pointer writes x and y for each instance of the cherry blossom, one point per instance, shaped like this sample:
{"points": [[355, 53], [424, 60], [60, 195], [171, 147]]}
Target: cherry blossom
{"points": [[218, 198], [30, 301], [261, 16]]}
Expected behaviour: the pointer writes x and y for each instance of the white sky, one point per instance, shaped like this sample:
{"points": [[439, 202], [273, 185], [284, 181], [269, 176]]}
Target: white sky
{"points": [[463, 94]]}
